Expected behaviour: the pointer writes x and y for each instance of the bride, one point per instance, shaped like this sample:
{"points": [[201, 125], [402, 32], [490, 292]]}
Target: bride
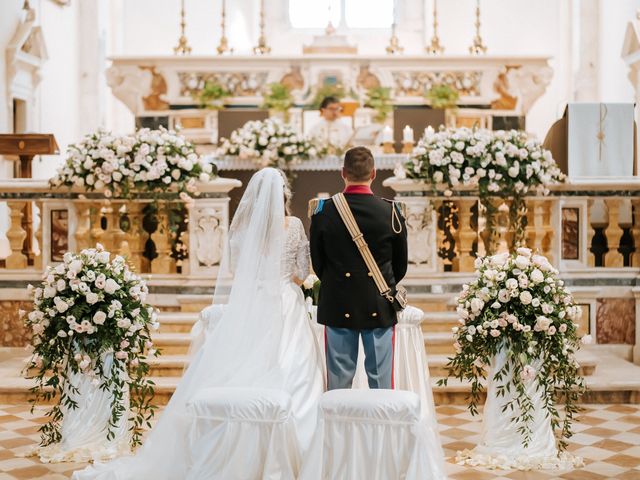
{"points": [[263, 339]]}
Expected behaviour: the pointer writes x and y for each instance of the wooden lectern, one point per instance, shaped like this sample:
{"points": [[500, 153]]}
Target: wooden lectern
{"points": [[22, 147], [25, 146]]}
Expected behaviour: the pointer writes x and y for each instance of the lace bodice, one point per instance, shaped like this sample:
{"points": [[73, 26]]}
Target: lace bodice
{"points": [[296, 260]]}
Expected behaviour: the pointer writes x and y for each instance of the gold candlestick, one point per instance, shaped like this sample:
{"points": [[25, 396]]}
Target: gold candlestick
{"points": [[394, 43], [435, 48], [223, 46], [387, 147], [262, 48], [407, 147], [478, 46], [183, 47]]}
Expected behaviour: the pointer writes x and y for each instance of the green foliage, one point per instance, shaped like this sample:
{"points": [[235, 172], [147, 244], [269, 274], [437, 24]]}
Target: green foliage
{"points": [[442, 96], [379, 98], [212, 95], [277, 97]]}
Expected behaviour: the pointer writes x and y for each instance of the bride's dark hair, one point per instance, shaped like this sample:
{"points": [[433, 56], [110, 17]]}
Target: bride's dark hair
{"points": [[287, 193]]}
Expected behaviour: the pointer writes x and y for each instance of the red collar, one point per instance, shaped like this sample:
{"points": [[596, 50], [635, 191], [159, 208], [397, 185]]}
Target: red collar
{"points": [[358, 190]]}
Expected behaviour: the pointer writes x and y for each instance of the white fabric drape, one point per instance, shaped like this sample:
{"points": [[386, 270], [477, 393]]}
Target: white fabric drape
{"points": [[501, 445], [84, 429], [242, 433], [373, 435]]}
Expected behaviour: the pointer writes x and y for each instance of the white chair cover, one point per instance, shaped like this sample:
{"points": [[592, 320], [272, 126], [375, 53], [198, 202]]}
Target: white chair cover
{"points": [[373, 435], [242, 433]]}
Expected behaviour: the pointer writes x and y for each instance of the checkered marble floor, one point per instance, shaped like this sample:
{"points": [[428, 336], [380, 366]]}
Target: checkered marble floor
{"points": [[607, 437]]}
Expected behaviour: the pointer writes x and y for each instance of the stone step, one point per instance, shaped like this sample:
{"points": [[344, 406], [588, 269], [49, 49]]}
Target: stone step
{"points": [[172, 343], [439, 321], [438, 343], [177, 322]]}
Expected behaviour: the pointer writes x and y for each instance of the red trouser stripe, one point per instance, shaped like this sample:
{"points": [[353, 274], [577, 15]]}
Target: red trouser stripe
{"points": [[326, 356], [393, 357]]}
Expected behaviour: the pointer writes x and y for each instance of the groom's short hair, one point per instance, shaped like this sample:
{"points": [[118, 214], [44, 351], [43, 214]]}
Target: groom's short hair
{"points": [[358, 164]]}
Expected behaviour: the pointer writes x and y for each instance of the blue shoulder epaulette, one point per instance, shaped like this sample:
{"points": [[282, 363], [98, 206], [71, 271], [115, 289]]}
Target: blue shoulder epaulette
{"points": [[315, 206]]}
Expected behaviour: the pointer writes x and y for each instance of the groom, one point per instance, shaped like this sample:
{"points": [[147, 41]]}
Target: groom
{"points": [[350, 305]]}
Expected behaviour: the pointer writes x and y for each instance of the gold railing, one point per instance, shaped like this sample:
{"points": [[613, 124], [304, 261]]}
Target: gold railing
{"points": [[162, 235]]}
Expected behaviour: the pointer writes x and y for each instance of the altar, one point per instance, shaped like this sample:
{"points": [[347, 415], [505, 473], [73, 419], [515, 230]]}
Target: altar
{"points": [[319, 177]]}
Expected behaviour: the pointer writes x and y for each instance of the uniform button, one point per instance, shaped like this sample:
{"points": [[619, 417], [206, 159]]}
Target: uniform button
{"points": [[346, 315], [347, 274], [370, 274], [374, 314]]}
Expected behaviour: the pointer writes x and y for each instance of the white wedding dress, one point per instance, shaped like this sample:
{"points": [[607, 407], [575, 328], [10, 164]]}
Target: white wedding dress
{"points": [[263, 339]]}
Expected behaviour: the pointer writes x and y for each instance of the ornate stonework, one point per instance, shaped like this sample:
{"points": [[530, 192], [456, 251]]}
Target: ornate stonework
{"points": [[293, 79], [12, 330], [209, 234], [415, 84], [153, 100], [240, 84]]}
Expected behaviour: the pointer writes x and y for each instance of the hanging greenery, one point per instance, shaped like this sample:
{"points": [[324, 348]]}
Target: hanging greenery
{"points": [[379, 98], [212, 96], [442, 96], [277, 98]]}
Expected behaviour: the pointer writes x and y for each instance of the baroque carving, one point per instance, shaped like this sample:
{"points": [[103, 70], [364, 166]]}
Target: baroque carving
{"points": [[507, 100], [209, 236], [239, 84], [415, 84], [420, 233], [529, 83], [293, 79], [367, 80], [158, 87], [129, 84]]}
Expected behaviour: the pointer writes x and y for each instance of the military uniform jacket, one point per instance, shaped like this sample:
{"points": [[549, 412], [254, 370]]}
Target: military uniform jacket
{"points": [[349, 297]]}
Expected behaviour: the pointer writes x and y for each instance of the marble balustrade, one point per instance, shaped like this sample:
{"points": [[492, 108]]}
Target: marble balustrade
{"points": [[159, 236]]}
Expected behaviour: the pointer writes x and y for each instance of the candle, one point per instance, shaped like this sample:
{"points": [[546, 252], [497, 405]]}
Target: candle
{"points": [[407, 134], [387, 135]]}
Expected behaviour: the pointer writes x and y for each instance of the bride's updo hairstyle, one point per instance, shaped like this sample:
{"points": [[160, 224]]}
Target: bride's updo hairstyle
{"points": [[287, 193], [358, 164]]}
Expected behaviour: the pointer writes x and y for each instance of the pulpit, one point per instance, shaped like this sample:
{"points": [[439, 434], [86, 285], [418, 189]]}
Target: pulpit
{"points": [[21, 148], [595, 140]]}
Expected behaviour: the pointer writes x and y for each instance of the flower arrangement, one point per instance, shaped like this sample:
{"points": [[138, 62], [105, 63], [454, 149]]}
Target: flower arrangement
{"points": [[269, 142], [506, 164], [85, 307], [311, 289], [442, 96], [278, 98], [151, 160], [212, 95], [517, 304], [379, 98]]}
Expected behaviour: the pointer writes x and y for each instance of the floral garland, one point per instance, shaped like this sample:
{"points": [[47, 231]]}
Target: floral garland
{"points": [[270, 143], [506, 164], [153, 161], [517, 303], [85, 307]]}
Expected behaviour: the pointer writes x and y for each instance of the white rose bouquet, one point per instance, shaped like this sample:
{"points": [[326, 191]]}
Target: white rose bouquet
{"points": [[87, 306], [149, 161], [270, 142], [162, 159], [517, 303], [99, 161], [453, 157], [311, 289], [506, 164]]}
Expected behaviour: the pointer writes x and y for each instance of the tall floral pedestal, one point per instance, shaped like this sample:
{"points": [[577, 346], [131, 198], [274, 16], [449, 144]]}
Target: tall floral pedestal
{"points": [[501, 444], [84, 428]]}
